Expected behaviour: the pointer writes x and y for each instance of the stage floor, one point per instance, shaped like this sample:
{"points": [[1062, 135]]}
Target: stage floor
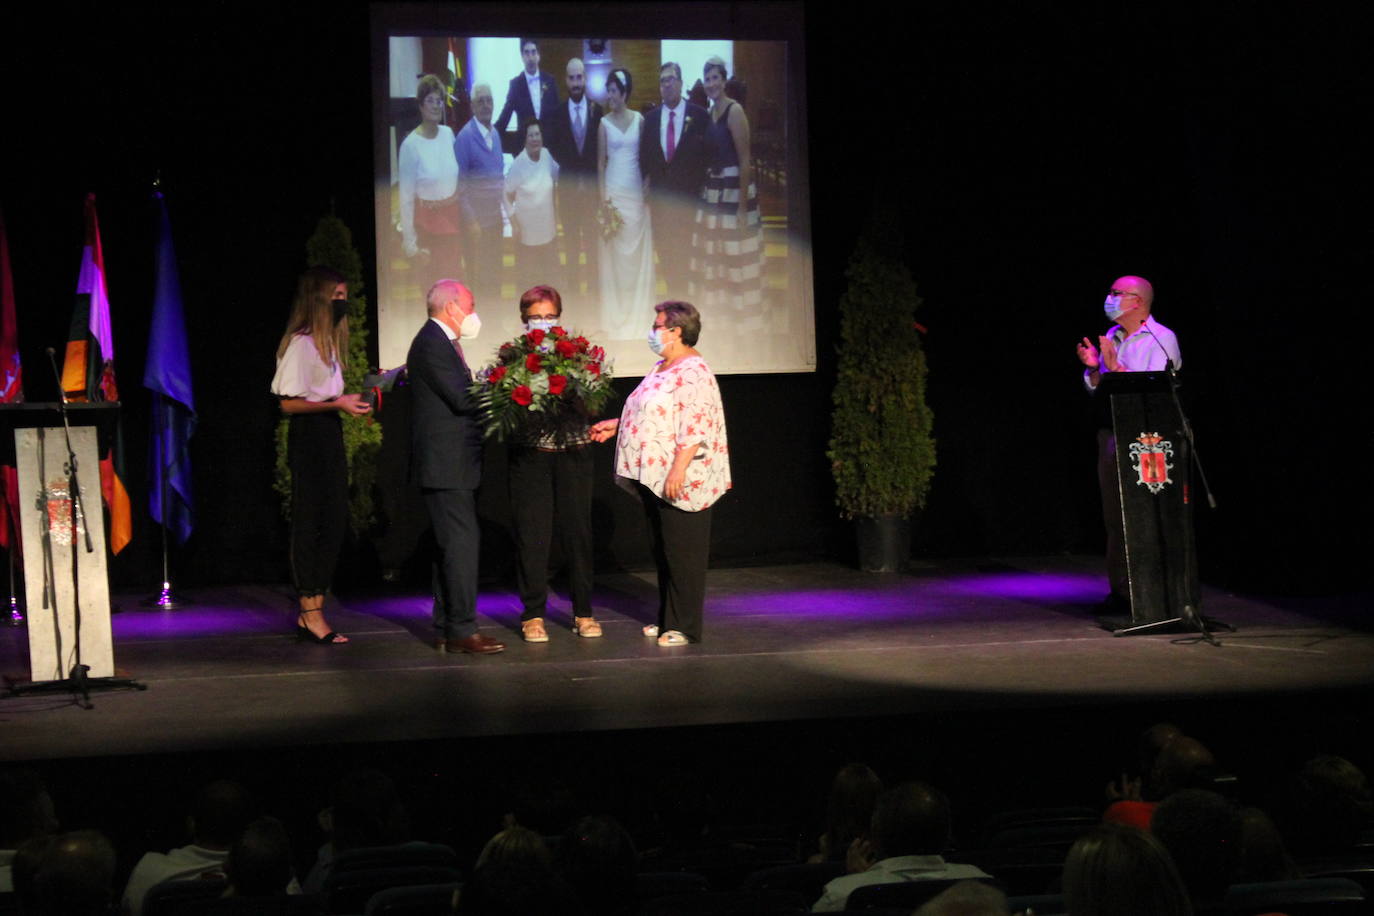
{"points": [[783, 643]]}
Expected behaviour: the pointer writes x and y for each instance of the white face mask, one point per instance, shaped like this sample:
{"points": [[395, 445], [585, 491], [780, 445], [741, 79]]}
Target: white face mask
{"points": [[541, 324], [656, 341], [471, 326], [1112, 307]]}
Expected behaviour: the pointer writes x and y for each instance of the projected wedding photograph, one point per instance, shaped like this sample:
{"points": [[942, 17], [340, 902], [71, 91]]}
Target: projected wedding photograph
{"points": [[622, 172]]}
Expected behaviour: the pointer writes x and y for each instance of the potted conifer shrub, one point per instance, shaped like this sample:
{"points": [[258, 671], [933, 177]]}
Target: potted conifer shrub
{"points": [[882, 451]]}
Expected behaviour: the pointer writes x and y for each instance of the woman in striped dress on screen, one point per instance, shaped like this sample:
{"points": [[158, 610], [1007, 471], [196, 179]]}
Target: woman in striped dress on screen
{"points": [[727, 247]]}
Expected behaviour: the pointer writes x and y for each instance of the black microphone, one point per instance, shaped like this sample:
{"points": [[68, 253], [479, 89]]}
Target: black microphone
{"points": [[1169, 366], [52, 361]]}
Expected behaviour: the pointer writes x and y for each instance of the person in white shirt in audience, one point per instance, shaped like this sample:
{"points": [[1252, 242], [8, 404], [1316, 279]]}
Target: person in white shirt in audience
{"points": [[911, 827]]}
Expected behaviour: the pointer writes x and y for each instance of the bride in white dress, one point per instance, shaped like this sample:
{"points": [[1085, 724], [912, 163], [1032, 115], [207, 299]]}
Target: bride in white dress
{"points": [[627, 259]]}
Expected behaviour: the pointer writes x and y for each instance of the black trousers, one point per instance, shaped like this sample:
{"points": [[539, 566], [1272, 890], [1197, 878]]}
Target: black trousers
{"points": [[536, 264], [681, 544], [581, 236], [543, 484], [484, 256], [1109, 480], [319, 499], [453, 513]]}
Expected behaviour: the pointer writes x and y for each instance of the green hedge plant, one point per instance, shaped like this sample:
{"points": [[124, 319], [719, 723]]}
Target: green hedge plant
{"points": [[882, 450]]}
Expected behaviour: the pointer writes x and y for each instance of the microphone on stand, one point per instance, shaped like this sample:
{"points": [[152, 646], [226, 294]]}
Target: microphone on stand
{"points": [[52, 361]]}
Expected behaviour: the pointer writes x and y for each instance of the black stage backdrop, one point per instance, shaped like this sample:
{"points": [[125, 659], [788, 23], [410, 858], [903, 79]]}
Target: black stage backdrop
{"points": [[1034, 155]]}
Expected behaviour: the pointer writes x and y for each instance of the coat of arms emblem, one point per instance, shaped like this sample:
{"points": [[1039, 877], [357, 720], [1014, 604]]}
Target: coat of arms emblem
{"points": [[1150, 456]]}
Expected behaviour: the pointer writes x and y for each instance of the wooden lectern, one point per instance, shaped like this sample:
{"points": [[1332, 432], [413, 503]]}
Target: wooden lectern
{"points": [[1153, 478], [66, 585]]}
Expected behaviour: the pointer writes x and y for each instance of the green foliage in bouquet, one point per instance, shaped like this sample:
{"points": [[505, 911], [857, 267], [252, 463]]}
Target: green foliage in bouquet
{"points": [[545, 386], [882, 452], [331, 245]]}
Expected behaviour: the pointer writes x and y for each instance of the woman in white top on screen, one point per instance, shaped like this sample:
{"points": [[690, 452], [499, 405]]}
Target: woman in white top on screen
{"points": [[309, 383], [430, 222], [529, 187]]}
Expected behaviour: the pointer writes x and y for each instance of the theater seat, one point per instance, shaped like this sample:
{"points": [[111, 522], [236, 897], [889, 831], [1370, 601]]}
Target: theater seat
{"points": [[416, 900], [1303, 897]]}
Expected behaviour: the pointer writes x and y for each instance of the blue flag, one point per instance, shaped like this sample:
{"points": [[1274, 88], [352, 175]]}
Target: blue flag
{"points": [[168, 376]]}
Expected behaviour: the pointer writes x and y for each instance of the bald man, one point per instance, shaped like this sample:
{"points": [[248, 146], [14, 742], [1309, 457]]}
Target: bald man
{"points": [[446, 461], [1136, 343]]}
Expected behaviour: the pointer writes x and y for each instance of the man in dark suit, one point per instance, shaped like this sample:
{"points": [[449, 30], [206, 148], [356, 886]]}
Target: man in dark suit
{"points": [[532, 94], [570, 134], [672, 156], [446, 460]]}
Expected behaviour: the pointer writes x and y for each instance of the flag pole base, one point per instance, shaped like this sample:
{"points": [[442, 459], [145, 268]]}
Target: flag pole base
{"points": [[166, 599]]}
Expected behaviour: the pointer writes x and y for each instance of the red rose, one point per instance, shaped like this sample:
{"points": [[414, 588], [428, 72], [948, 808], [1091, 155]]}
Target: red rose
{"points": [[558, 331], [536, 336], [581, 344], [565, 348], [557, 383], [522, 395], [594, 368], [532, 361], [497, 374]]}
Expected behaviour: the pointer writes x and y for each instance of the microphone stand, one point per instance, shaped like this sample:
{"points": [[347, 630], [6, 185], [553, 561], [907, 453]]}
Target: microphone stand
{"points": [[78, 681]]}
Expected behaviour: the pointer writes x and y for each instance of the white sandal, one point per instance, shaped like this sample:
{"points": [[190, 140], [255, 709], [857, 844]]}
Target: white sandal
{"points": [[651, 630], [673, 638]]}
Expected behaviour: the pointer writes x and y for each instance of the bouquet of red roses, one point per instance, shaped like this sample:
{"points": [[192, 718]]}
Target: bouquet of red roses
{"points": [[544, 387]]}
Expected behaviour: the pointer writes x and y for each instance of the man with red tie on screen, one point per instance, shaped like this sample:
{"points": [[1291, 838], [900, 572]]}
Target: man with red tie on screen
{"points": [[672, 156], [570, 135], [532, 95]]}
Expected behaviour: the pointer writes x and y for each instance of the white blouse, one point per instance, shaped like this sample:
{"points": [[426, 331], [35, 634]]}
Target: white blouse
{"points": [[429, 171], [675, 407], [302, 374], [532, 184]]}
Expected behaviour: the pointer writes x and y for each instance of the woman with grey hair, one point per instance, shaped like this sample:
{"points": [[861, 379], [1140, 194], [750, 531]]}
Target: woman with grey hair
{"points": [[671, 452]]}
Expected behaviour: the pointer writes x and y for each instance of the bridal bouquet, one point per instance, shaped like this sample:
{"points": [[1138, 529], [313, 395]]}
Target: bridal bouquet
{"points": [[544, 387], [609, 219]]}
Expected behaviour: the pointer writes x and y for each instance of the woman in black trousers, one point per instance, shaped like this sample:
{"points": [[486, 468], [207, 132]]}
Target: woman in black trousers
{"points": [[671, 452], [309, 384]]}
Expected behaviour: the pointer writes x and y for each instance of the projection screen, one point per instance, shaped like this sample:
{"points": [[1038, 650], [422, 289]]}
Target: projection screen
{"points": [[462, 193]]}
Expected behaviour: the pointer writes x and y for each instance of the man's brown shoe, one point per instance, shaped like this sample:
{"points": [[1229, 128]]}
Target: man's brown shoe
{"points": [[476, 644]]}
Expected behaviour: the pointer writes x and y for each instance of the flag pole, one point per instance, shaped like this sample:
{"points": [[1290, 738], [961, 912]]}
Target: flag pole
{"points": [[166, 599], [16, 615]]}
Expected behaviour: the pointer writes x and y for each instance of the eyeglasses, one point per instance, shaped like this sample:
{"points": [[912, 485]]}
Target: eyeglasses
{"points": [[1122, 293]]}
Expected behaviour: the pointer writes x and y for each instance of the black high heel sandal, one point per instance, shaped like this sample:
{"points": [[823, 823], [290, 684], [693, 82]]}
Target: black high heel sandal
{"points": [[303, 633]]}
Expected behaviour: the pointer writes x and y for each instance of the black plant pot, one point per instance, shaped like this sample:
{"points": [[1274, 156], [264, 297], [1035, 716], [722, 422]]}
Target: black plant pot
{"points": [[884, 542]]}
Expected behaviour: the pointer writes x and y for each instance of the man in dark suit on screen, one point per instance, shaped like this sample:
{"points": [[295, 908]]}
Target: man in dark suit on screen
{"points": [[446, 460], [672, 156], [570, 135], [532, 94]]}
